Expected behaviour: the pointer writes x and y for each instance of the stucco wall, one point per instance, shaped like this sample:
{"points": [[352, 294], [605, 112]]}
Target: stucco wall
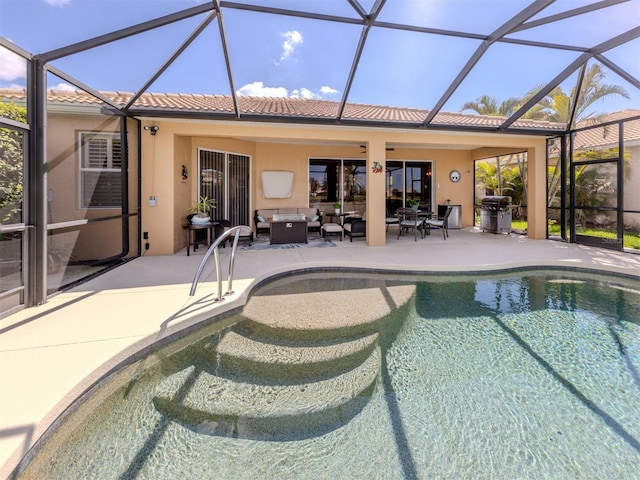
{"points": [[96, 240], [287, 147]]}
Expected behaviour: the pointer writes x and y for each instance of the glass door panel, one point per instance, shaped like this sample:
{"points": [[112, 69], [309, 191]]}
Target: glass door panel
{"points": [[354, 186], [394, 186], [418, 184], [212, 181], [324, 184], [225, 178], [596, 204]]}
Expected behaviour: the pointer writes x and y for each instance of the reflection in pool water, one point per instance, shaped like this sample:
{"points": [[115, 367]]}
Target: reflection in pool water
{"points": [[529, 375]]}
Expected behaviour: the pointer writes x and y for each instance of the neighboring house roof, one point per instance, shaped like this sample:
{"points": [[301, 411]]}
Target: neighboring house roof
{"points": [[607, 136], [283, 108]]}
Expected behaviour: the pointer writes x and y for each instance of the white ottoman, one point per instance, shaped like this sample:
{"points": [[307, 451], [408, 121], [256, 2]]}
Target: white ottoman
{"points": [[331, 229]]}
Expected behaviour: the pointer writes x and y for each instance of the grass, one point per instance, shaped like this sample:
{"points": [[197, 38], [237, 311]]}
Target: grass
{"points": [[520, 225], [630, 240]]}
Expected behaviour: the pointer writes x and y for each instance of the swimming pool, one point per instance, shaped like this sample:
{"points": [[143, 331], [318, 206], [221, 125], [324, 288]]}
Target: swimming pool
{"points": [[532, 374]]}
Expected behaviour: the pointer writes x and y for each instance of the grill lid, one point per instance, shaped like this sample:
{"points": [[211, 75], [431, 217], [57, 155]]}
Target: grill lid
{"points": [[496, 201]]}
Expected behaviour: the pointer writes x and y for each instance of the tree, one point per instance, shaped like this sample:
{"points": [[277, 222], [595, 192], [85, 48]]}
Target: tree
{"points": [[11, 165], [487, 105], [556, 105], [487, 177]]}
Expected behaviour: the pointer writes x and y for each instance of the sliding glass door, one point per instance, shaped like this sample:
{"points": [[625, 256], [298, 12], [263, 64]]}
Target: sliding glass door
{"points": [[225, 177], [409, 181], [338, 181]]}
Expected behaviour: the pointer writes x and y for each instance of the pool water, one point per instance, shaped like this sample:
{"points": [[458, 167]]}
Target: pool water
{"points": [[522, 375]]}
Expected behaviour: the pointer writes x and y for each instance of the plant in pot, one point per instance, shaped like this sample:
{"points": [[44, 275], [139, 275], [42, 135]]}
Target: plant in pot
{"points": [[336, 206], [413, 203], [201, 210]]}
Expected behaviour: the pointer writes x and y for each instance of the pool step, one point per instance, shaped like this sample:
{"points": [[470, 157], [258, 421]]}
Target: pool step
{"points": [[325, 314], [273, 357], [300, 365], [239, 407]]}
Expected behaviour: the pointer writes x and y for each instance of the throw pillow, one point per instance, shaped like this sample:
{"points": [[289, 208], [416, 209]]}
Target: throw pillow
{"points": [[261, 219], [315, 218]]}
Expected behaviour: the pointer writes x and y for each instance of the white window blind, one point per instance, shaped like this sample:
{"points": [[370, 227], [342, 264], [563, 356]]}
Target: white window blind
{"points": [[100, 170]]}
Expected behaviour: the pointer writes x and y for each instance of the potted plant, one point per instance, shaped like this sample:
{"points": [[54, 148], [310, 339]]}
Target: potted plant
{"points": [[202, 209], [413, 203], [336, 206]]}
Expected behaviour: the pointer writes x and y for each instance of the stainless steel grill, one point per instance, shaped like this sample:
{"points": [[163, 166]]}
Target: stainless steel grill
{"points": [[495, 214]]}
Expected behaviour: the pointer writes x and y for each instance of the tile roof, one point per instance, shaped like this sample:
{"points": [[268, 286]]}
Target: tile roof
{"points": [[608, 135], [289, 108]]}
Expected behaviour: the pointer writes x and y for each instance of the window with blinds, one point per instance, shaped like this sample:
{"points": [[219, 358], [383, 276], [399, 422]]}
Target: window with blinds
{"points": [[100, 170]]}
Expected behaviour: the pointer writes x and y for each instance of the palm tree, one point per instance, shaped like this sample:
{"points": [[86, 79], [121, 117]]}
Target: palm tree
{"points": [[487, 177], [556, 105], [487, 105]]}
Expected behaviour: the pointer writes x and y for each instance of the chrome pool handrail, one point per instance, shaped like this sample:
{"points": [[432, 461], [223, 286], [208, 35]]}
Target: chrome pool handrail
{"points": [[214, 249]]}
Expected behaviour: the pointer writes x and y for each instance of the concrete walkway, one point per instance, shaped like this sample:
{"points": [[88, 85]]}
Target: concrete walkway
{"points": [[51, 354]]}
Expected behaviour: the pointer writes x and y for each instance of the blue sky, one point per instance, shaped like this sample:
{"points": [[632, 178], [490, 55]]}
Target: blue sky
{"points": [[273, 55]]}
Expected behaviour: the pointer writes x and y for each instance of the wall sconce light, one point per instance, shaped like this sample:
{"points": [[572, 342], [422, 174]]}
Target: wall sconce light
{"points": [[185, 172], [152, 128]]}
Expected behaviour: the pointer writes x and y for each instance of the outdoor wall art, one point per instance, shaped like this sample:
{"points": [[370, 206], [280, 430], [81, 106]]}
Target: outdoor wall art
{"points": [[277, 184]]}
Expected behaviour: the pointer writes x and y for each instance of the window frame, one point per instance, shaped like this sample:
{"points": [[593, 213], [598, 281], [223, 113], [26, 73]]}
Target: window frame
{"points": [[84, 140]]}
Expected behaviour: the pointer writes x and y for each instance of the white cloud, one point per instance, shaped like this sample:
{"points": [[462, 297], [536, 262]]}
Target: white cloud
{"points": [[292, 39], [57, 3], [12, 66], [305, 93], [257, 89], [65, 87], [328, 90]]}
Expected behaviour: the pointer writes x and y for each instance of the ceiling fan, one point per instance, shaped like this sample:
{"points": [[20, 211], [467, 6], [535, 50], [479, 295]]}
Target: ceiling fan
{"points": [[364, 149]]}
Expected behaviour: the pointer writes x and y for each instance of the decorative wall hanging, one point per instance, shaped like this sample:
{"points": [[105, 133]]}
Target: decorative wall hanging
{"points": [[276, 184], [377, 167]]}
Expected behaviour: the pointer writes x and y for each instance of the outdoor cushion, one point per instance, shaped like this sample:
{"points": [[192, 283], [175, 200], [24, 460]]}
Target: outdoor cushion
{"points": [[308, 212], [287, 211]]}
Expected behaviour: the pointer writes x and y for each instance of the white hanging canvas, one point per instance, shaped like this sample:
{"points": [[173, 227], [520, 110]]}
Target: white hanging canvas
{"points": [[277, 184]]}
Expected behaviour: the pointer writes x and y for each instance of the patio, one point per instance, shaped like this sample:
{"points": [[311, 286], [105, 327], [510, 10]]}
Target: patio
{"points": [[106, 319]]}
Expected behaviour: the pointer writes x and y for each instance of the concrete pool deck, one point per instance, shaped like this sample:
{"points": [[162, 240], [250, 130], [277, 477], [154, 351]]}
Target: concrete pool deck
{"points": [[52, 353]]}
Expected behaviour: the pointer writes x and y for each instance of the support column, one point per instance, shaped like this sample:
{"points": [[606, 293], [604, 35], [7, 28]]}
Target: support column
{"points": [[537, 192], [376, 211], [35, 201]]}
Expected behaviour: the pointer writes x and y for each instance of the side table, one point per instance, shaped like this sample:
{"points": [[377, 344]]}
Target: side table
{"points": [[192, 228]]}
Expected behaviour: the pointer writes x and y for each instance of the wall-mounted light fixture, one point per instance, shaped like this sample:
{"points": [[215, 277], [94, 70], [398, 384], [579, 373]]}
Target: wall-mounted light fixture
{"points": [[185, 172], [152, 128]]}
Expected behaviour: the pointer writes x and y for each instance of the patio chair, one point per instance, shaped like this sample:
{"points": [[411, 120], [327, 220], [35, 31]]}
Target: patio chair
{"points": [[442, 224], [391, 219], [224, 225], [354, 227], [410, 220]]}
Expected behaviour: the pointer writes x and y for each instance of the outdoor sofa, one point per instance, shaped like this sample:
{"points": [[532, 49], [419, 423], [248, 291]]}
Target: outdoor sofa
{"points": [[264, 217]]}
